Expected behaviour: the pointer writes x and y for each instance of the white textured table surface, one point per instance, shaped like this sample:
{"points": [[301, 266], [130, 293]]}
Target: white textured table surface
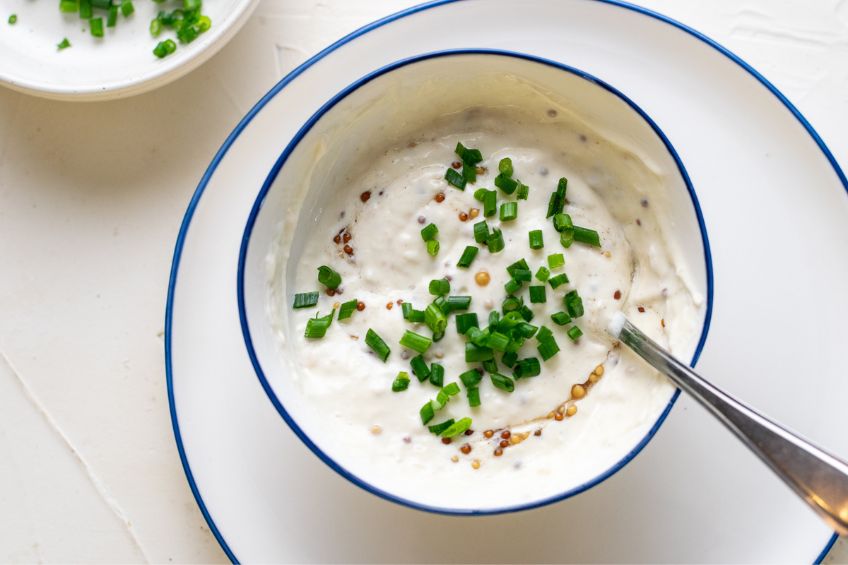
{"points": [[91, 197]]}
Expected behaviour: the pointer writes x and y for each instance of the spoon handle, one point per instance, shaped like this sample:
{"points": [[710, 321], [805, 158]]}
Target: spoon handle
{"points": [[816, 476]]}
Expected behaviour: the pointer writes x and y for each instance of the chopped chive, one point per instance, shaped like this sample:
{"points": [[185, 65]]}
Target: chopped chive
{"points": [[457, 428], [316, 327], [441, 427], [127, 8], [557, 201], [509, 358], [505, 167], [536, 239], [85, 9], [437, 374], [376, 343], [476, 354], [406, 309], [523, 191], [475, 335], [574, 333], [495, 242], [521, 264], [522, 275], [471, 378], [506, 184], [410, 313], [429, 232], [420, 368], [401, 382], [427, 413], [544, 333], [69, 6], [347, 309], [456, 179], [454, 303], [451, 389], [433, 248], [439, 287], [466, 321], [155, 27], [64, 44], [112, 18], [547, 349], [481, 232], [502, 382], [543, 274], [469, 172], [526, 330], [435, 319], [561, 318], [164, 48], [566, 237], [328, 277], [526, 313], [529, 367], [585, 235], [558, 280], [490, 365], [470, 156], [509, 211], [512, 286], [13, 19], [416, 342], [497, 341], [511, 304], [494, 318], [556, 260], [562, 222], [473, 395], [305, 299], [537, 294], [573, 304], [468, 255], [96, 27], [490, 203]]}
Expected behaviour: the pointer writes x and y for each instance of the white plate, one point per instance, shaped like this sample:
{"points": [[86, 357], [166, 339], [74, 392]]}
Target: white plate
{"points": [[775, 205], [118, 65]]}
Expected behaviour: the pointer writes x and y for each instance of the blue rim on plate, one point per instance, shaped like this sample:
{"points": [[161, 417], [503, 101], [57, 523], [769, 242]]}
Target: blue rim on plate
{"points": [[192, 206], [269, 181]]}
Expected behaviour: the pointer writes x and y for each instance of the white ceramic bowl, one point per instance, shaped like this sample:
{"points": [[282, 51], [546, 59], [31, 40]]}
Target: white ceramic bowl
{"points": [[120, 64], [428, 86]]}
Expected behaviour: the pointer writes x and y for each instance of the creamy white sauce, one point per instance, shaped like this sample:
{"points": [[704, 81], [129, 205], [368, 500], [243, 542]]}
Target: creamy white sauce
{"points": [[376, 433]]}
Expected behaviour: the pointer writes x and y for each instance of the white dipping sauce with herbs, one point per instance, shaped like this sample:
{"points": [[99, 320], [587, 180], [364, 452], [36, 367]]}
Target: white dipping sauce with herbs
{"points": [[376, 433]]}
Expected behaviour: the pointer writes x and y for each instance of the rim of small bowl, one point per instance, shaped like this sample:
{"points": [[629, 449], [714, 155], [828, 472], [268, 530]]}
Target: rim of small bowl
{"points": [[268, 183]]}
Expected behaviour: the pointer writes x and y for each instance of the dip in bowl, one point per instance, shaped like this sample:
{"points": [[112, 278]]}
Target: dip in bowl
{"points": [[428, 270]]}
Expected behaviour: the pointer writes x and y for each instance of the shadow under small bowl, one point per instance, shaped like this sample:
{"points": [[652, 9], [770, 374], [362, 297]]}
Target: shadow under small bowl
{"points": [[405, 96]]}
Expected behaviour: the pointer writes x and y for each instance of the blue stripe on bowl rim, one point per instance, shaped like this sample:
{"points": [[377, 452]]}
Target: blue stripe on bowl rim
{"points": [[230, 140]]}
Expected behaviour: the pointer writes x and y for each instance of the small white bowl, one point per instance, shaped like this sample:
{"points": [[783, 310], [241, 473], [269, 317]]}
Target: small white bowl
{"points": [[303, 178], [118, 65]]}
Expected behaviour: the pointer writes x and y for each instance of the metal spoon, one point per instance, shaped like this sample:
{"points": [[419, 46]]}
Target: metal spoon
{"points": [[816, 476]]}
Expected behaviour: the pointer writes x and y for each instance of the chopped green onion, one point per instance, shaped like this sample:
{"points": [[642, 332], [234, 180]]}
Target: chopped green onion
{"points": [[536, 239], [430, 232], [475, 335], [537, 294], [127, 8], [506, 184], [512, 286], [96, 27], [557, 201], [69, 6], [433, 248], [328, 277], [509, 358], [495, 242], [544, 333], [556, 260], [457, 428], [155, 27], [473, 395], [558, 280], [481, 232], [456, 179], [437, 374], [497, 341], [522, 275], [435, 319], [574, 333], [376, 343], [427, 413], [410, 313], [509, 211], [13, 19], [420, 368], [566, 238], [561, 318], [523, 191], [471, 378], [529, 367], [454, 303], [112, 18], [490, 365], [526, 330], [494, 318], [316, 327], [401, 382], [466, 321], [547, 345], [305, 299], [439, 428], [164, 48], [439, 287], [64, 44], [468, 255], [490, 203], [451, 389], [502, 382], [585, 235], [470, 156], [573, 304], [526, 313], [505, 167], [476, 354], [511, 304], [521, 265], [562, 222], [347, 308], [416, 342], [469, 172], [543, 274], [85, 9]]}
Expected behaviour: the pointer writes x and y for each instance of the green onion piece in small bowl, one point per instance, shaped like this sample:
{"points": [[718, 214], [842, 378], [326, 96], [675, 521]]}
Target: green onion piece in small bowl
{"points": [[376, 343], [401, 382], [467, 257], [459, 427], [305, 300], [502, 382], [536, 239], [416, 342], [328, 277]]}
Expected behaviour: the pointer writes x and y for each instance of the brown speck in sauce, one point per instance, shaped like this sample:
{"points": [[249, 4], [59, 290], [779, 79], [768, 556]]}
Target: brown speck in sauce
{"points": [[331, 292], [399, 301], [662, 322], [421, 219], [389, 305], [407, 439], [617, 295], [456, 165], [583, 138], [463, 217], [337, 238], [380, 193], [455, 458], [348, 249], [446, 440], [469, 432], [440, 197], [466, 449], [505, 434], [498, 452], [558, 417], [481, 170], [552, 113], [347, 237], [644, 202], [504, 443], [488, 433], [360, 306], [638, 222], [642, 309], [365, 196], [538, 432]]}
